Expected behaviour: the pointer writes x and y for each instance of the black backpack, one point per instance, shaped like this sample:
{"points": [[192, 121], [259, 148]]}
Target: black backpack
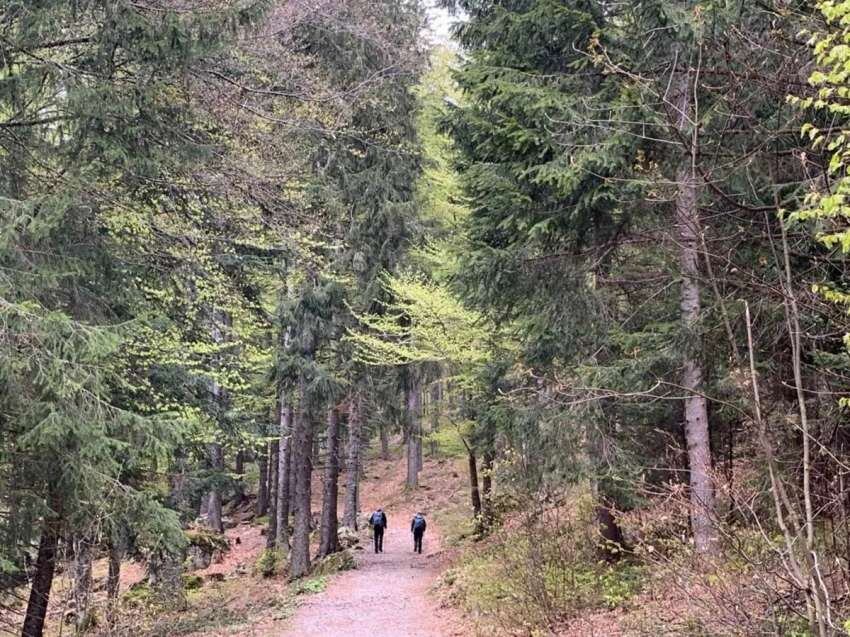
{"points": [[418, 523], [377, 519]]}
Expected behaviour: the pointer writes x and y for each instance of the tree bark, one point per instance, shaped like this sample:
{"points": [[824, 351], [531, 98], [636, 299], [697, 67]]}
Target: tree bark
{"points": [[436, 398], [302, 448], [475, 494], [274, 472], [283, 468], [263, 484], [82, 582], [113, 579], [696, 413], [385, 441], [487, 488], [414, 438], [42, 581], [352, 495], [214, 520], [239, 470], [329, 540]]}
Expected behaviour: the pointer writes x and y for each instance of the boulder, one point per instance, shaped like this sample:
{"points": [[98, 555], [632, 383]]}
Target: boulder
{"points": [[335, 562], [205, 547], [348, 537]]}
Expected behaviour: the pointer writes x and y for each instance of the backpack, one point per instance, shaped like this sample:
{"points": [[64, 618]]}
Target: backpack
{"points": [[418, 523], [377, 519]]}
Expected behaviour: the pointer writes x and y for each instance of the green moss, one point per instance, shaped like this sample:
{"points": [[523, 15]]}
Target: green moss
{"points": [[311, 585], [192, 582], [270, 562], [207, 540], [335, 562], [139, 595]]}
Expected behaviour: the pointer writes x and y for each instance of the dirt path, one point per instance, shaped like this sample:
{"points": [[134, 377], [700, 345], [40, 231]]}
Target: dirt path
{"points": [[388, 594]]}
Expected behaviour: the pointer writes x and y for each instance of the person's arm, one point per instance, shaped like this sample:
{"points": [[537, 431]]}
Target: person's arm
{"points": [[384, 516], [412, 524], [424, 525]]}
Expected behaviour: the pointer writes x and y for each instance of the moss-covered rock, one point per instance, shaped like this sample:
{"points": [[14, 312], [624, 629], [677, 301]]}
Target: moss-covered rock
{"points": [[335, 562], [205, 547]]}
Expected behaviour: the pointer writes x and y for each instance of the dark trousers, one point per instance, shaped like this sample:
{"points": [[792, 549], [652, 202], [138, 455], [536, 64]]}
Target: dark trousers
{"points": [[379, 539], [417, 540]]}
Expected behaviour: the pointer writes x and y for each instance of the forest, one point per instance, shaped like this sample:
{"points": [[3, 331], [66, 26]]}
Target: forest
{"points": [[568, 276]]}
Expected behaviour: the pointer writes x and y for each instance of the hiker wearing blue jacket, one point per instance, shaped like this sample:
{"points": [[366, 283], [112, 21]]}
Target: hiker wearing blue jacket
{"points": [[417, 527], [378, 520]]}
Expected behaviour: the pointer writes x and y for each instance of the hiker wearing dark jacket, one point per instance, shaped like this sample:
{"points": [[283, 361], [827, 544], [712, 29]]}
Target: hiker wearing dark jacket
{"points": [[378, 520], [417, 527]]}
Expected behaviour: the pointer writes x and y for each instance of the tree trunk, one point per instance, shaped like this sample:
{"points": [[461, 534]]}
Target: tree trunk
{"points": [[696, 412], [113, 579], [329, 541], [283, 468], [42, 580], [487, 488], [293, 473], [436, 398], [82, 582], [475, 495], [239, 470], [302, 448], [610, 532], [274, 472], [352, 495], [263, 485], [214, 520], [385, 441], [414, 439]]}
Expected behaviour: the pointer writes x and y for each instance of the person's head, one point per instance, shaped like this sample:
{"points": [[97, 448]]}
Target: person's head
{"points": [[419, 513], [379, 510]]}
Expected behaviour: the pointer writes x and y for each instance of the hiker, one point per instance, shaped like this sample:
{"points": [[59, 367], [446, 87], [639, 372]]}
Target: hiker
{"points": [[417, 527], [378, 520]]}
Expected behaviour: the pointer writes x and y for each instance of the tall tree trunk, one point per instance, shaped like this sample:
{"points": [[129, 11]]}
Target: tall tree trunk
{"points": [[487, 487], [329, 541], [42, 581], [352, 477], [215, 450], [385, 441], [214, 521], [263, 483], [82, 582], [283, 468], [239, 470], [475, 494], [113, 577], [302, 448], [436, 398], [293, 472], [414, 438], [274, 472], [696, 412]]}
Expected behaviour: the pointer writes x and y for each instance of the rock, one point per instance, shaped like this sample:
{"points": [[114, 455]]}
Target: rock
{"points": [[348, 537], [335, 562], [205, 547], [215, 577]]}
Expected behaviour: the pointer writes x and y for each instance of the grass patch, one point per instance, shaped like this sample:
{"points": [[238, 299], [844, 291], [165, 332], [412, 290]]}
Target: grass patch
{"points": [[311, 585]]}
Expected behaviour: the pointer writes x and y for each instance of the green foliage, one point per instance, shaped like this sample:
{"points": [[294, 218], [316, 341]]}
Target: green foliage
{"points": [[311, 585], [270, 562], [525, 579]]}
